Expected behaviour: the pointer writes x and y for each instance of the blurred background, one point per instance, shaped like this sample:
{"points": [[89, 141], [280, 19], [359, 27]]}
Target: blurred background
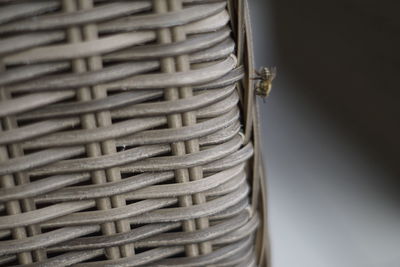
{"points": [[331, 129]]}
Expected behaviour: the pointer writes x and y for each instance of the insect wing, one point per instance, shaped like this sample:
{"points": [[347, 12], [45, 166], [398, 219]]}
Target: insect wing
{"points": [[273, 73]]}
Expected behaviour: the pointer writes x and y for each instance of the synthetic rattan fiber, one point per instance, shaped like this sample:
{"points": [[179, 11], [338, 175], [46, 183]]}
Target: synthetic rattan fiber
{"points": [[128, 134]]}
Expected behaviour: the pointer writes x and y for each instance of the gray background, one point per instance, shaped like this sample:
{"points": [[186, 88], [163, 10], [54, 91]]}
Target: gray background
{"points": [[331, 130]]}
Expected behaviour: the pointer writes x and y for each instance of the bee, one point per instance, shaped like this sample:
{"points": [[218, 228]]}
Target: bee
{"points": [[264, 81]]}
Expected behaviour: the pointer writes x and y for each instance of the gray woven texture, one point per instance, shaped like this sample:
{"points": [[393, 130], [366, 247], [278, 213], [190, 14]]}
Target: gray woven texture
{"points": [[128, 135]]}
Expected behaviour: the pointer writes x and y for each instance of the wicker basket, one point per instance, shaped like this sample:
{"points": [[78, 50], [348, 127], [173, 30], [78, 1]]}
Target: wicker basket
{"points": [[128, 135]]}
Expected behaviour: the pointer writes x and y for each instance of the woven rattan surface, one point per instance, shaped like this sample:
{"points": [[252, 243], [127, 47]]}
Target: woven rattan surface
{"points": [[128, 135]]}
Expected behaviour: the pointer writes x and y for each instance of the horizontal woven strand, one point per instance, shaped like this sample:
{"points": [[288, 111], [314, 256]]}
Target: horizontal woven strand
{"points": [[97, 14], [174, 106], [146, 257], [27, 72], [252, 261], [192, 44], [41, 186], [229, 181], [231, 211], [128, 128], [177, 79], [134, 235], [155, 254], [44, 214], [102, 216], [69, 258], [186, 213], [132, 183], [221, 135], [152, 255], [185, 161], [77, 137], [139, 234], [149, 236], [45, 240], [230, 186], [239, 233], [32, 101], [18, 11], [38, 159], [238, 259], [106, 44], [212, 23], [83, 49], [216, 52], [13, 44], [140, 187], [207, 234], [215, 188], [100, 162], [221, 107], [76, 80], [228, 79], [135, 154], [107, 75], [121, 99], [36, 129], [203, 260], [156, 21], [189, 188], [82, 107], [181, 134], [236, 158]]}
